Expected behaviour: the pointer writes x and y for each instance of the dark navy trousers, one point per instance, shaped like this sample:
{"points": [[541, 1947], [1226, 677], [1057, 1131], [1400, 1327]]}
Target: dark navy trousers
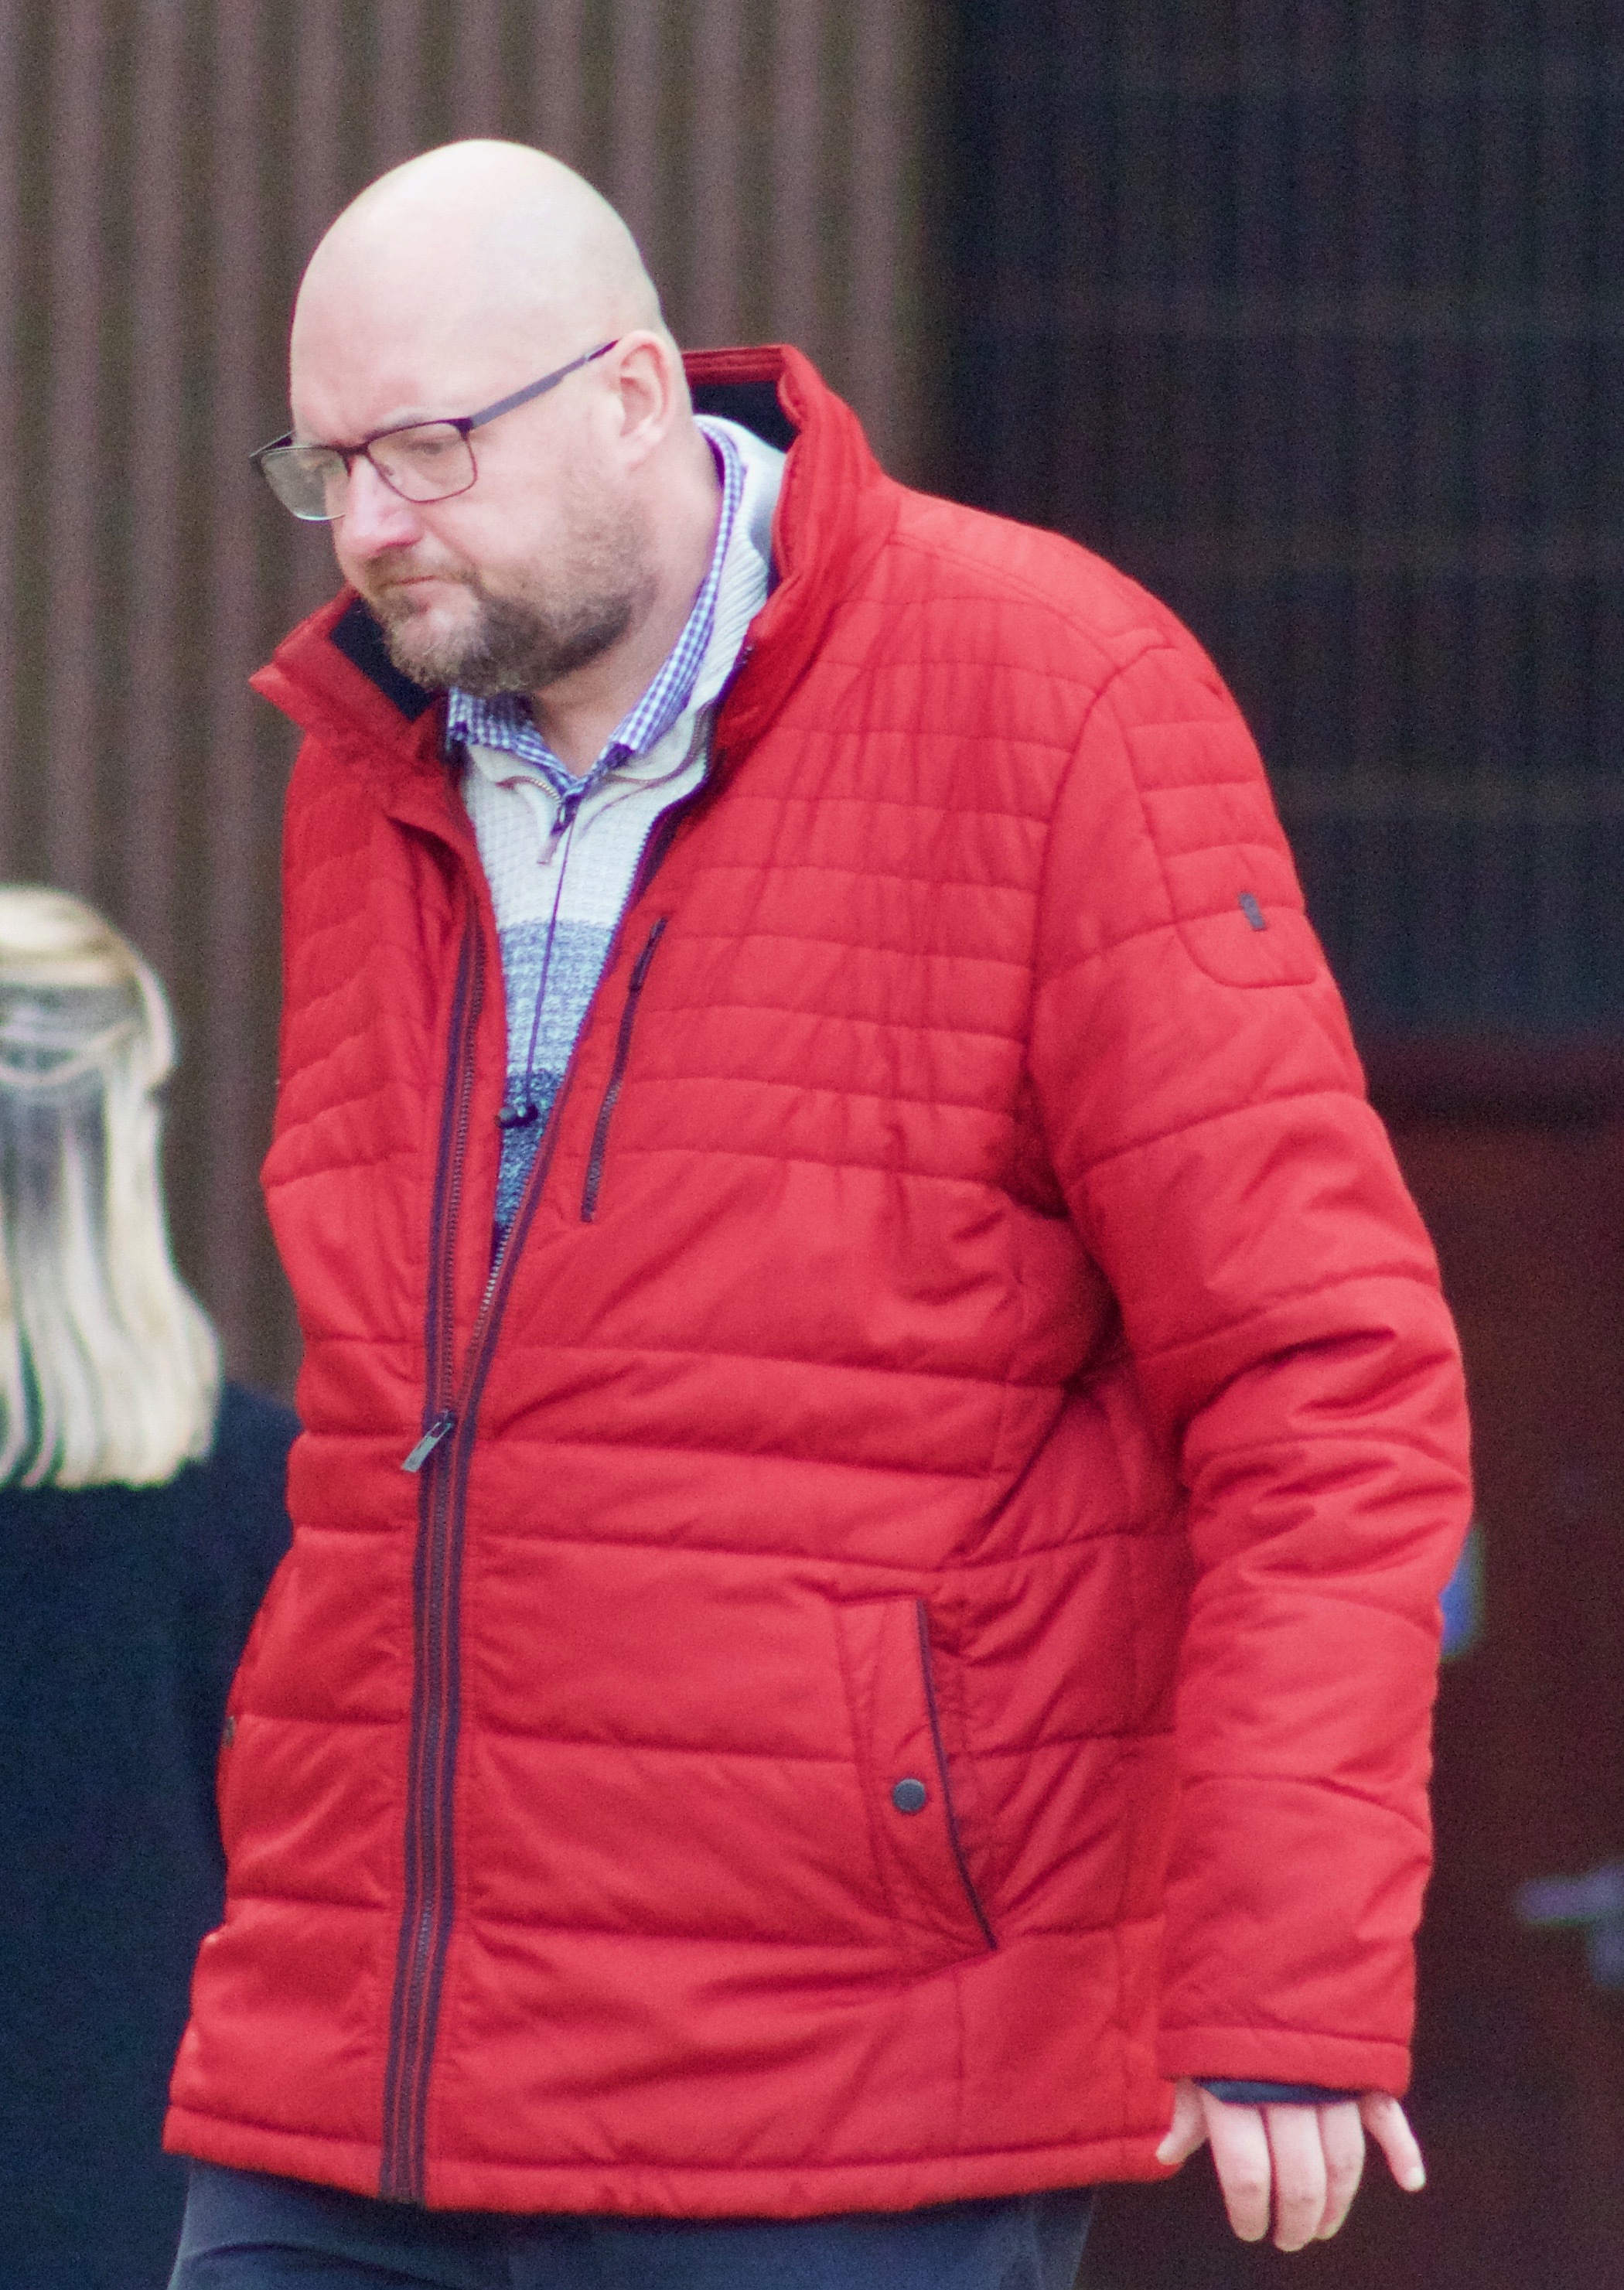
{"points": [[247, 2231]]}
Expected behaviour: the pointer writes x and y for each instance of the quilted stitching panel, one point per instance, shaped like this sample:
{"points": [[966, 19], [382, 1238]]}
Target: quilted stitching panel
{"points": [[1231, 882]]}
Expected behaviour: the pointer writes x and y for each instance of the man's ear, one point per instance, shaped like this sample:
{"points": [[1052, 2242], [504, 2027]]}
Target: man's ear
{"points": [[646, 376]]}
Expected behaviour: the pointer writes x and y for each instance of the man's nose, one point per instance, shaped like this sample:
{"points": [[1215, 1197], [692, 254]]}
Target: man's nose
{"points": [[374, 517]]}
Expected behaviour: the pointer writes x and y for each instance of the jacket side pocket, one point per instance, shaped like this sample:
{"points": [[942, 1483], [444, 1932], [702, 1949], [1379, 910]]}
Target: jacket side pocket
{"points": [[913, 1821]]}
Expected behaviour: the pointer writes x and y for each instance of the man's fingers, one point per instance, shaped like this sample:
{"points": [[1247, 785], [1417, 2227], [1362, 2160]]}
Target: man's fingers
{"points": [[1390, 2127], [1296, 2166], [1188, 2127], [1240, 2157], [1342, 2136], [1299, 2159]]}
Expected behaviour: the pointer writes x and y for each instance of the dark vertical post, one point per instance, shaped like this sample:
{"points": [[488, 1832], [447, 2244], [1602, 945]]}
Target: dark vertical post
{"points": [[235, 894], [558, 114], [320, 184], [716, 268], [151, 748], [797, 152], [634, 186], [878, 97], [397, 81], [79, 33], [11, 286], [477, 95]]}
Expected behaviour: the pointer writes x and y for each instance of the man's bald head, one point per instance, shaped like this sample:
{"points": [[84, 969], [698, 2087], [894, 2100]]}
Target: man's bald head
{"points": [[477, 241], [585, 517]]}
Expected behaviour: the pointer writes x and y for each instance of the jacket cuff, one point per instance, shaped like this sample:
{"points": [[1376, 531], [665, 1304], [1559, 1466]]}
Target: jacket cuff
{"points": [[1276, 2054]]}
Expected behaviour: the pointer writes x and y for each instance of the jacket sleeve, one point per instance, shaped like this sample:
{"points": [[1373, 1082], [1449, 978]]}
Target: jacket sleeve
{"points": [[1207, 1118]]}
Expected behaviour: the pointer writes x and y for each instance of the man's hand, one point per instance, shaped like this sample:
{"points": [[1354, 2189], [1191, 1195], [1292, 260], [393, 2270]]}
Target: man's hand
{"points": [[1301, 2164]]}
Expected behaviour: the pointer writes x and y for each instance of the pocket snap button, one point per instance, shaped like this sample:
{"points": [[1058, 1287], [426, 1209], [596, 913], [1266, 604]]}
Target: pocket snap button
{"points": [[910, 1795]]}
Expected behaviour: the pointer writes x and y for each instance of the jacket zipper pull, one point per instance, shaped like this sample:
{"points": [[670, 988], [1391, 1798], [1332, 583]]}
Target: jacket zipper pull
{"points": [[640, 968], [564, 816], [443, 1421]]}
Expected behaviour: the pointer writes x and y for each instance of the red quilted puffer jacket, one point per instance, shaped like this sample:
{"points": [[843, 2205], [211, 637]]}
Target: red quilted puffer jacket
{"points": [[916, 1621]]}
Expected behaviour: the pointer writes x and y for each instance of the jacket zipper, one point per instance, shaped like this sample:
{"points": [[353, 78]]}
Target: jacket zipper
{"points": [[427, 1903], [611, 1094], [441, 1458], [922, 1618]]}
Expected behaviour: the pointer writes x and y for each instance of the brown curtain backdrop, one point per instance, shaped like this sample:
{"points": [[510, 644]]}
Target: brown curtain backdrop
{"points": [[165, 167]]}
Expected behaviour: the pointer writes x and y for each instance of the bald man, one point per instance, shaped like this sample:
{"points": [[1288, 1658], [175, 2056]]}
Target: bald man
{"points": [[880, 1439]]}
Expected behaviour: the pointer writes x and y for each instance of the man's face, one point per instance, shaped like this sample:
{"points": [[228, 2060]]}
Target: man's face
{"points": [[538, 570], [566, 599]]}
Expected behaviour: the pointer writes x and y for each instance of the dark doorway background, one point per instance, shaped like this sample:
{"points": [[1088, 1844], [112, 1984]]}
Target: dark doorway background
{"points": [[1310, 314]]}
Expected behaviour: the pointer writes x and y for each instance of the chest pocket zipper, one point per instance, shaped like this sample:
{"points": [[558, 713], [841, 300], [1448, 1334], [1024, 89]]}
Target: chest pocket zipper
{"points": [[592, 1187]]}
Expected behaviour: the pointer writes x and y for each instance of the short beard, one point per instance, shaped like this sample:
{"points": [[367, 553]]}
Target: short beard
{"points": [[574, 614], [512, 646]]}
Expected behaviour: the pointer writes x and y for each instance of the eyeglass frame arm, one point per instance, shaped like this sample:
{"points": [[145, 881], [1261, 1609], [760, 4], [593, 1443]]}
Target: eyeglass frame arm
{"points": [[462, 423]]}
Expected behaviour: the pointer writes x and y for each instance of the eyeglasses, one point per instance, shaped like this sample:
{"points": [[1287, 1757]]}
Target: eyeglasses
{"points": [[425, 461]]}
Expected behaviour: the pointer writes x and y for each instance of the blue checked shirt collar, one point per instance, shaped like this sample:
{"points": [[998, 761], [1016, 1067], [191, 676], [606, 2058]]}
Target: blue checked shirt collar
{"points": [[505, 723]]}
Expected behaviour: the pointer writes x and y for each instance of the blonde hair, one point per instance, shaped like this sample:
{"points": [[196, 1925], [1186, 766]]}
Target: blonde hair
{"points": [[109, 1369]]}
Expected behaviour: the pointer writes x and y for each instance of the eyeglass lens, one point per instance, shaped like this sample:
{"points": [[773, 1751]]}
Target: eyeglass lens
{"points": [[427, 463]]}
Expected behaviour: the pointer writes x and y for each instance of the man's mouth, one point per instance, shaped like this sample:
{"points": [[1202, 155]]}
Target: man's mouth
{"points": [[406, 592]]}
